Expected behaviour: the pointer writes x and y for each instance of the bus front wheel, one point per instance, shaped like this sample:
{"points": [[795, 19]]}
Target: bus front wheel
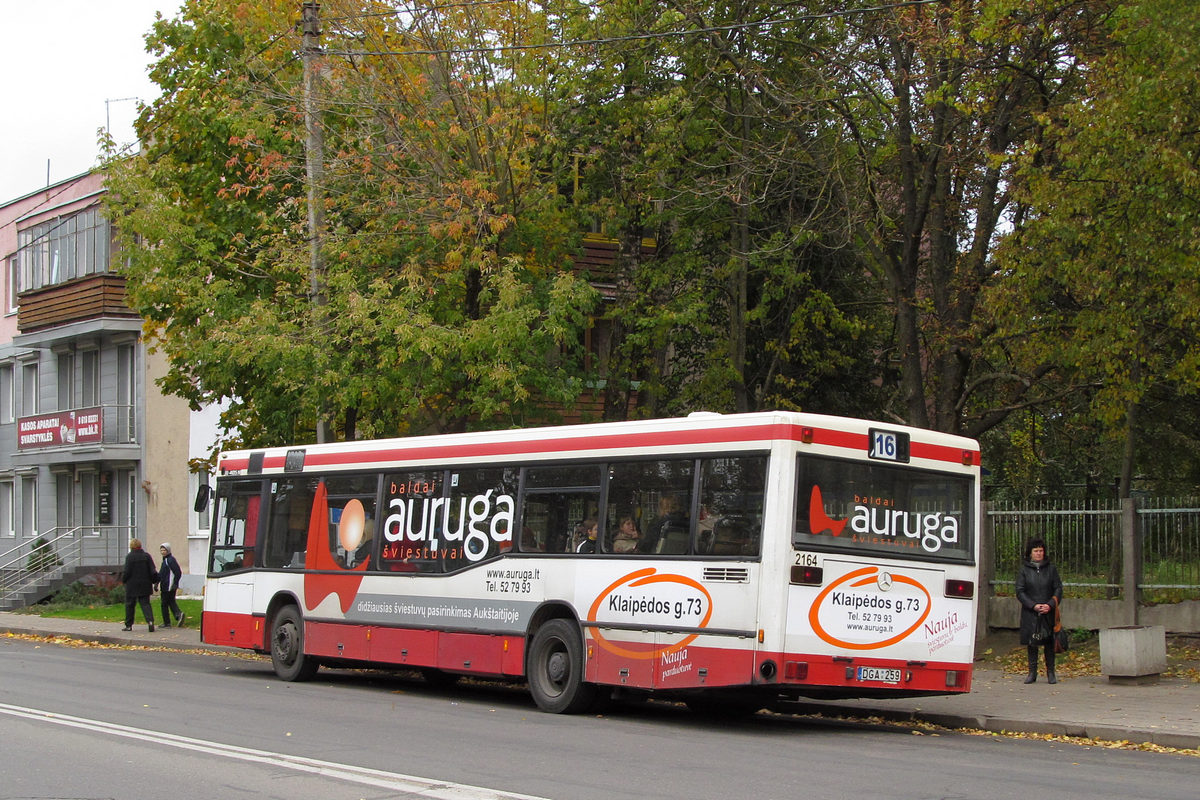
{"points": [[287, 647], [556, 669]]}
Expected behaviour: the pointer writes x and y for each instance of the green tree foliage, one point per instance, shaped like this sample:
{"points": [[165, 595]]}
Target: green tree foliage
{"points": [[1103, 281], [445, 298], [753, 298]]}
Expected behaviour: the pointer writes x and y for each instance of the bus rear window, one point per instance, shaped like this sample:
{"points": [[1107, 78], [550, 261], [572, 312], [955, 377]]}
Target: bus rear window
{"points": [[883, 510]]}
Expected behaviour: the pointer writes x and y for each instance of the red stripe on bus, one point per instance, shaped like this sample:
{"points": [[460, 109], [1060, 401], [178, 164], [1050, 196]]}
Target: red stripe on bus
{"points": [[570, 445]]}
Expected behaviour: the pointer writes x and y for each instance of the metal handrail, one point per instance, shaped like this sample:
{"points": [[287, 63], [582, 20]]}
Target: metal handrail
{"points": [[15, 574]]}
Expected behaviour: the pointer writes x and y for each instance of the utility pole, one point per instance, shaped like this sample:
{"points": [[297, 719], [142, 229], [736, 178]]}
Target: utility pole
{"points": [[314, 157]]}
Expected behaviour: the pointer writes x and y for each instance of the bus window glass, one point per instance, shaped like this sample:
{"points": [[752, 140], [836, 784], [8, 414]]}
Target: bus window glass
{"points": [[732, 491], [561, 475], [657, 497], [478, 519], [287, 532], [412, 523], [236, 530], [558, 505], [883, 510], [352, 516]]}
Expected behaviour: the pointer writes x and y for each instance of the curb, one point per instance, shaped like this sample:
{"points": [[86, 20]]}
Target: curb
{"points": [[1002, 725]]}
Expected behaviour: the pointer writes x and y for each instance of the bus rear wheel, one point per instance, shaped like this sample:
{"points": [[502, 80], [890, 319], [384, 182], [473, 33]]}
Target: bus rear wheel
{"points": [[287, 647], [556, 669]]}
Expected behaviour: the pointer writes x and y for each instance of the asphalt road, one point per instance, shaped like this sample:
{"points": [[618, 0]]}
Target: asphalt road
{"points": [[107, 722]]}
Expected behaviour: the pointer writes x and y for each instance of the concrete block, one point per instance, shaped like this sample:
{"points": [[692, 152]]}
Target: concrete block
{"points": [[1134, 653]]}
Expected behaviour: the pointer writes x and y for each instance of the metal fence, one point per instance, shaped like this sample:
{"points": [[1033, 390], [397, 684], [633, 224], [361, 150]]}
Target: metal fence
{"points": [[1169, 533], [1089, 544]]}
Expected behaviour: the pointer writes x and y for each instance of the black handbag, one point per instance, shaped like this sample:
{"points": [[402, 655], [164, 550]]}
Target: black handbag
{"points": [[1042, 630], [1062, 641]]}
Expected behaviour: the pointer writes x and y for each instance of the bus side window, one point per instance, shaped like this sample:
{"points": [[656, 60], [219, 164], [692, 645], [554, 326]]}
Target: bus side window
{"points": [[658, 496], [731, 505], [287, 534], [556, 501], [352, 516]]}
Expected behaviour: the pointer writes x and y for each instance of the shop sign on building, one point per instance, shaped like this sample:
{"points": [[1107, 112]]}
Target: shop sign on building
{"points": [[84, 426]]}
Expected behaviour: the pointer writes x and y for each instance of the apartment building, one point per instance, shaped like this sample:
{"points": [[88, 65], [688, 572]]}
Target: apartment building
{"points": [[91, 453]]}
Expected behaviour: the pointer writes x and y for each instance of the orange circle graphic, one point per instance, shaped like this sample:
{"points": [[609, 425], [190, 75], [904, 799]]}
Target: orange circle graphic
{"points": [[644, 577], [862, 577]]}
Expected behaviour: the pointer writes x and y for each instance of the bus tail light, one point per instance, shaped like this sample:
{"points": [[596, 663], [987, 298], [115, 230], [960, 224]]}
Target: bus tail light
{"points": [[795, 670], [951, 677], [960, 588], [808, 576]]}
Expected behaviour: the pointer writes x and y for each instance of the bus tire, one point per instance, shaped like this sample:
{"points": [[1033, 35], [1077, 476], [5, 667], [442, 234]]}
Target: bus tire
{"points": [[287, 647], [556, 669]]}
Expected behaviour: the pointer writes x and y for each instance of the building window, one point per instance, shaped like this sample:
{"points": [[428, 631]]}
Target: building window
{"points": [[64, 486], [88, 502], [66, 381], [89, 383], [203, 517], [29, 504], [126, 384], [29, 389], [128, 483], [12, 282], [7, 410], [64, 248], [7, 521]]}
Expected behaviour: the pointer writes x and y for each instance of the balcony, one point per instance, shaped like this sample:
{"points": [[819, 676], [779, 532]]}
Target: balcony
{"points": [[80, 299]]}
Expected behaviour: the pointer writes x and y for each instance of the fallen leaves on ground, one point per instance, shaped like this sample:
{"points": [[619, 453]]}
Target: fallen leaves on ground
{"points": [[70, 641]]}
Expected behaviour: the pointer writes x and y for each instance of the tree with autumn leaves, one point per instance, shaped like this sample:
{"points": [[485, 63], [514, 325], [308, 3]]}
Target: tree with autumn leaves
{"points": [[851, 211], [1101, 284], [445, 289]]}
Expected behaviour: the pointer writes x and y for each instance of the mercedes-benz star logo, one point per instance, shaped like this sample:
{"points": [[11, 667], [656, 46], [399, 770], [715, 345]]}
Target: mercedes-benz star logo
{"points": [[884, 581]]}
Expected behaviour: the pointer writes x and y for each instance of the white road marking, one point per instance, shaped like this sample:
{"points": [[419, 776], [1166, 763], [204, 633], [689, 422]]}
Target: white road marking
{"points": [[421, 787]]}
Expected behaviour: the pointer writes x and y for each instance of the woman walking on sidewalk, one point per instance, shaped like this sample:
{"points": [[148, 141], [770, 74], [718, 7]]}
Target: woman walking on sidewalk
{"points": [[139, 577], [1039, 590]]}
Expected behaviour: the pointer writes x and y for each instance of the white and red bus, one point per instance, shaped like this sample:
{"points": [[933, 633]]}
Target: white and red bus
{"points": [[728, 560]]}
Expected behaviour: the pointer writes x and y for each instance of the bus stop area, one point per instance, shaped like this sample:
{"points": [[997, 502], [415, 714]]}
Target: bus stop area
{"points": [[1165, 713]]}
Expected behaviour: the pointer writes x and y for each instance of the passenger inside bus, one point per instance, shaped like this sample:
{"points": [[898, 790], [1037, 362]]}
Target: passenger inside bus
{"points": [[625, 540], [587, 532], [668, 532]]}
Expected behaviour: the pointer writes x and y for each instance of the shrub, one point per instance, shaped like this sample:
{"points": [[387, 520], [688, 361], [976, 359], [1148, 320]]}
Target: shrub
{"points": [[42, 557], [88, 594]]}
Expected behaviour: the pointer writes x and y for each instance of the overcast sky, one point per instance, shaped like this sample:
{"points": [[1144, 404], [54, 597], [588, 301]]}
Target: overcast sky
{"points": [[67, 66]]}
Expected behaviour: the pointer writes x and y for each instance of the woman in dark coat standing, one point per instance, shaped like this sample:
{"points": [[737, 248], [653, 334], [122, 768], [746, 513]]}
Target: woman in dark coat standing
{"points": [[1039, 590], [139, 577]]}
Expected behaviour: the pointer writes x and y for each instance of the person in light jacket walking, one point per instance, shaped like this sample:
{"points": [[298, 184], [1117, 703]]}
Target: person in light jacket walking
{"points": [[1039, 590], [139, 578], [168, 583]]}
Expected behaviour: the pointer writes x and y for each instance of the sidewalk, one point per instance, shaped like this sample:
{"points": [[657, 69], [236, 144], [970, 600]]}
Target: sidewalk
{"points": [[1166, 713]]}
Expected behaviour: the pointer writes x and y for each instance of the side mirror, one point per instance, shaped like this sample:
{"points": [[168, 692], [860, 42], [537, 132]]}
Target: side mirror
{"points": [[202, 495]]}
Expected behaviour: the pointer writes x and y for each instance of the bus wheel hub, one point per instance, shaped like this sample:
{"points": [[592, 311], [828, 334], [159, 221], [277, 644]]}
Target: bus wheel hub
{"points": [[557, 667]]}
